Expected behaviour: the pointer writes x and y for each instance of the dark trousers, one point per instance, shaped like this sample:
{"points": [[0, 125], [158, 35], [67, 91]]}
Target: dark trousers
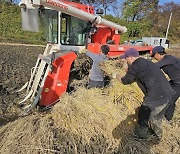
{"points": [[96, 84], [151, 119], [172, 105]]}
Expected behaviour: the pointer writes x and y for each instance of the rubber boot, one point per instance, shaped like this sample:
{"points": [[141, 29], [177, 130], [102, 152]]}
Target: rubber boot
{"points": [[157, 131], [170, 112], [141, 132]]}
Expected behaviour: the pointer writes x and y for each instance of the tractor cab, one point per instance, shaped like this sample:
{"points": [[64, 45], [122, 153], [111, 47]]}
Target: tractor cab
{"points": [[60, 28]]}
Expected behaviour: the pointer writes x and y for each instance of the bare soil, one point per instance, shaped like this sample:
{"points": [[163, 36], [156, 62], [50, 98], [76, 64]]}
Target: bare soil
{"points": [[16, 62]]}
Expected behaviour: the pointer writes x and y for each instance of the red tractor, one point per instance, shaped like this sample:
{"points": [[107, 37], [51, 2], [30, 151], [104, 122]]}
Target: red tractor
{"points": [[70, 27]]}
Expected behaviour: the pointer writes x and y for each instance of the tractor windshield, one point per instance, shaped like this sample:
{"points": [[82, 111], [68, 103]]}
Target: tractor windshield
{"points": [[72, 30], [49, 21]]}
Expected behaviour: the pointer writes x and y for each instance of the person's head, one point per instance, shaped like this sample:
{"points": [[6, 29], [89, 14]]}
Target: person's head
{"points": [[105, 49], [130, 55], [158, 53]]}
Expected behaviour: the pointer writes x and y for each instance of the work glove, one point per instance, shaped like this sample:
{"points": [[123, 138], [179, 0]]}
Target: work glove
{"points": [[114, 75], [82, 50]]}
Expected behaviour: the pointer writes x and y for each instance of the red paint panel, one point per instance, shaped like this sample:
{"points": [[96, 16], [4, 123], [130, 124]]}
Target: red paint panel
{"points": [[57, 80], [116, 50], [102, 35], [86, 8], [115, 37]]}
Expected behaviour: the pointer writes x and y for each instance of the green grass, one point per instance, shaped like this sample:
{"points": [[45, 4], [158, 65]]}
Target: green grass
{"points": [[10, 27]]}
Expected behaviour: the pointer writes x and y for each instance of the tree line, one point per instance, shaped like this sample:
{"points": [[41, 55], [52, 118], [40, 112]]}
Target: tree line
{"points": [[141, 17]]}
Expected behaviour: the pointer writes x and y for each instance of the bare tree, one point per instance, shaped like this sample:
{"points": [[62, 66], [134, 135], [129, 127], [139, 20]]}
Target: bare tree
{"points": [[160, 17], [88, 2], [138, 9], [117, 9], [105, 4]]}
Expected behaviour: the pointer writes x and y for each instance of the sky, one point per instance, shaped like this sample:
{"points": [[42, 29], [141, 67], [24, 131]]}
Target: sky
{"points": [[167, 1]]}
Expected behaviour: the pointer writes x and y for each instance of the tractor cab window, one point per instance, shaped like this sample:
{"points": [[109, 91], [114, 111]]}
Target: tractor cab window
{"points": [[49, 21], [72, 30]]}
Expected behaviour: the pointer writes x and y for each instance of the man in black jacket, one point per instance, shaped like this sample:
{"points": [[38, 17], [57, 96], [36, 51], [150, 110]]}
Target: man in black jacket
{"points": [[171, 66], [156, 89]]}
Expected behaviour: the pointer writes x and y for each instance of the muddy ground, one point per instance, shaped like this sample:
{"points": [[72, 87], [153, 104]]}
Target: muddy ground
{"points": [[16, 62]]}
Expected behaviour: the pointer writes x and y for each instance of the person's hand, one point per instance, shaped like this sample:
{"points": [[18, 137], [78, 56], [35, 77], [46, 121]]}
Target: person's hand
{"points": [[114, 75], [125, 66], [82, 50]]}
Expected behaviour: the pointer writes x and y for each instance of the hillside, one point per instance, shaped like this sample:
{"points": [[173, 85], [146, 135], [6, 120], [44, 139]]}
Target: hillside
{"points": [[10, 26]]}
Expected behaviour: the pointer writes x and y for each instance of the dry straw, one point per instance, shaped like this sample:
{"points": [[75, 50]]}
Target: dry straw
{"points": [[28, 135], [89, 112]]}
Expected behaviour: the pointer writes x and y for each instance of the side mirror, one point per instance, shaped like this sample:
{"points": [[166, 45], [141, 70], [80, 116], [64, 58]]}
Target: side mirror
{"points": [[99, 11]]}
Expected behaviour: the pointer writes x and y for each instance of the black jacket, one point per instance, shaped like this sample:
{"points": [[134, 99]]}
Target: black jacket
{"points": [[150, 79], [171, 66]]}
